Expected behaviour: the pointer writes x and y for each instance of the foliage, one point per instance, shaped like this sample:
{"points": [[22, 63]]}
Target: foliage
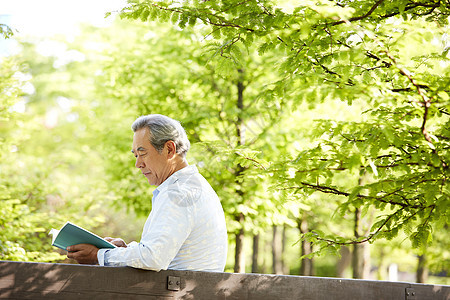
{"points": [[170, 76], [22, 226], [308, 110], [395, 157], [6, 31], [46, 157]]}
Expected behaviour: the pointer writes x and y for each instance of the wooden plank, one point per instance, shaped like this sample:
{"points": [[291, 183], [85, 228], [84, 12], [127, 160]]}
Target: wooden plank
{"points": [[20, 280], [74, 281]]}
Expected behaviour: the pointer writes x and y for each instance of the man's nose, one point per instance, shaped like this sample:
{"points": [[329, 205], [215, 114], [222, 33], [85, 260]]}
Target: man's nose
{"points": [[139, 162]]}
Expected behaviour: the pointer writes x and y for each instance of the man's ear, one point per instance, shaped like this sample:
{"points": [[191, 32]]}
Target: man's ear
{"points": [[171, 149]]}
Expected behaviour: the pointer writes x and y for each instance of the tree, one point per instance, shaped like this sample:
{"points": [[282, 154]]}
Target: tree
{"points": [[22, 223], [228, 117], [306, 267], [333, 124], [47, 152], [361, 52]]}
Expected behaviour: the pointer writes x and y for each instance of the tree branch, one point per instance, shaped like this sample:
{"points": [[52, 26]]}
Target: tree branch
{"points": [[334, 191], [371, 10], [255, 162], [368, 238], [408, 7], [426, 103], [223, 22], [412, 6]]}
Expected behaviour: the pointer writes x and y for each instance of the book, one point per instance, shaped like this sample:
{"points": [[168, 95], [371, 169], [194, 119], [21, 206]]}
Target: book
{"points": [[71, 234]]}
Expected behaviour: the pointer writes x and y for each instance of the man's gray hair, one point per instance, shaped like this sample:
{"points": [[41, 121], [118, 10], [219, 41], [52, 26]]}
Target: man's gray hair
{"points": [[163, 129]]}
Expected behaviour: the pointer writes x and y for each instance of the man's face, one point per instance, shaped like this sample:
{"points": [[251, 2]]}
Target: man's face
{"points": [[154, 165]]}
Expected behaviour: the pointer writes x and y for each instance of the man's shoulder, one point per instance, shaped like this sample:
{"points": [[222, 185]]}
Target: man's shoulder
{"points": [[184, 191]]}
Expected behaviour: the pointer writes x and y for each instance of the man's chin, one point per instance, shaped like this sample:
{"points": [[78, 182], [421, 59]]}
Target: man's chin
{"points": [[151, 181]]}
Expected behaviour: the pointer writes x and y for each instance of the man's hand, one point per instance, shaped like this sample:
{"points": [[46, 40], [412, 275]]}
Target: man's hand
{"points": [[83, 253], [116, 242]]}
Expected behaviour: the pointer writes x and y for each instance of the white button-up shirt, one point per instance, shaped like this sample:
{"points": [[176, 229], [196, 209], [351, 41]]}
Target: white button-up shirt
{"points": [[185, 230]]}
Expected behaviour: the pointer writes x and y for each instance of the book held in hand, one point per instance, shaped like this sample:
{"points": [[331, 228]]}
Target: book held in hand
{"points": [[71, 234]]}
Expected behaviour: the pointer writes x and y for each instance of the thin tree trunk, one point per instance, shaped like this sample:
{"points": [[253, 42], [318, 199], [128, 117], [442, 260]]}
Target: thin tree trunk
{"points": [[276, 251], [357, 250], [366, 261], [361, 252], [240, 130], [382, 273], [284, 265], [344, 262], [306, 264], [239, 265], [422, 270], [239, 258], [266, 249], [255, 254]]}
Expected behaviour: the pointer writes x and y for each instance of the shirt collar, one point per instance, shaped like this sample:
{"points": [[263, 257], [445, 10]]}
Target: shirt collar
{"points": [[189, 170]]}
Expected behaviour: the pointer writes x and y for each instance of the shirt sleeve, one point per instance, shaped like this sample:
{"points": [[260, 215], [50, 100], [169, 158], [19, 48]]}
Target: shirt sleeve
{"points": [[101, 256], [167, 227]]}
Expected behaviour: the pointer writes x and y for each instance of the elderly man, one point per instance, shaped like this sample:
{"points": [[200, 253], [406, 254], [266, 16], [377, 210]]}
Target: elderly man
{"points": [[186, 227]]}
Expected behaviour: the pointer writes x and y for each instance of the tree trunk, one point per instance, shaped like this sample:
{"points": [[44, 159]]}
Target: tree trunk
{"points": [[344, 262], [239, 258], [306, 264], [361, 252], [240, 130], [284, 265], [266, 244], [422, 271], [382, 273], [255, 254], [357, 250], [276, 251]]}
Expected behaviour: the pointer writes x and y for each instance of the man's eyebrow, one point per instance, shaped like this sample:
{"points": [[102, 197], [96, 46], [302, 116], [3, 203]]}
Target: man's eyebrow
{"points": [[139, 149]]}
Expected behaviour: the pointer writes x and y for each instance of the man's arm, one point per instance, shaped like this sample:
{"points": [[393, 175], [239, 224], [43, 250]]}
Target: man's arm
{"points": [[116, 242], [164, 233], [87, 254], [83, 253]]}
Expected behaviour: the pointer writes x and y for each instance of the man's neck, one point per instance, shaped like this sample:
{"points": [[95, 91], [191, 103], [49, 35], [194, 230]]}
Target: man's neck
{"points": [[180, 166]]}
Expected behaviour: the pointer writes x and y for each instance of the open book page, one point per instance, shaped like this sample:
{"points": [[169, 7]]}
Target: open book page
{"points": [[54, 233]]}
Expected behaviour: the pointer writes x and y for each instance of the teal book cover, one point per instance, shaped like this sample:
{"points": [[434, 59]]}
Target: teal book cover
{"points": [[71, 234]]}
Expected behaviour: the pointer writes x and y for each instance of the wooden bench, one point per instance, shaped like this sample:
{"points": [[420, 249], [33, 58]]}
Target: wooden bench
{"points": [[21, 280]]}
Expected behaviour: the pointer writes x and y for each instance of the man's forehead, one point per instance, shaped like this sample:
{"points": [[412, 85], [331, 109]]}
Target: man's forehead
{"points": [[141, 139]]}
